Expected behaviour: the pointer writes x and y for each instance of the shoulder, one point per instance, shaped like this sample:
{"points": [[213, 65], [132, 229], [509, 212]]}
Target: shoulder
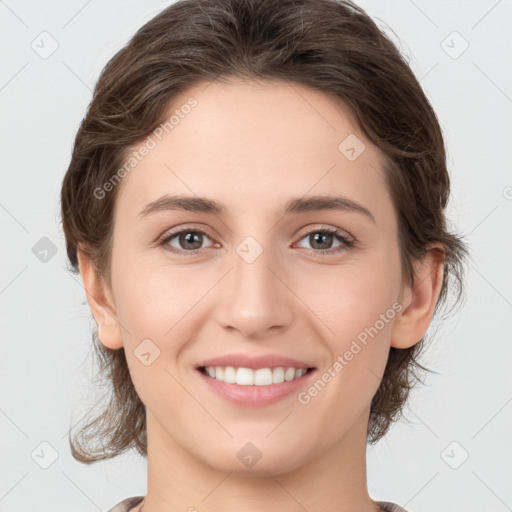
{"points": [[387, 506], [127, 504]]}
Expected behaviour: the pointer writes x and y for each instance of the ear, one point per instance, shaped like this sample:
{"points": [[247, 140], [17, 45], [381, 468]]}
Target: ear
{"points": [[101, 303], [419, 300]]}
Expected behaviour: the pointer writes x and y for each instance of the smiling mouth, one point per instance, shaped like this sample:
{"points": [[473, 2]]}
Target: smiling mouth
{"points": [[249, 377]]}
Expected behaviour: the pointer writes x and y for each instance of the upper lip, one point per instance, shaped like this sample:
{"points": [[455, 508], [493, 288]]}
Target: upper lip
{"points": [[255, 362]]}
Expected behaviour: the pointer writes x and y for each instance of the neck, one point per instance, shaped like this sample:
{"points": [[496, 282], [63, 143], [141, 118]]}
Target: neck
{"points": [[333, 479]]}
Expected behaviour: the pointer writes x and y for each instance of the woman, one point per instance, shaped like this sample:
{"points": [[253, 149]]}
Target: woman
{"points": [[256, 205]]}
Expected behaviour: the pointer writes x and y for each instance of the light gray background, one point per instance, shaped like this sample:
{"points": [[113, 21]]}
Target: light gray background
{"points": [[46, 322]]}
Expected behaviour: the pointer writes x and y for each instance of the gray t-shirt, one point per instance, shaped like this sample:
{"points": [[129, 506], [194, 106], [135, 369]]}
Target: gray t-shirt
{"points": [[127, 504]]}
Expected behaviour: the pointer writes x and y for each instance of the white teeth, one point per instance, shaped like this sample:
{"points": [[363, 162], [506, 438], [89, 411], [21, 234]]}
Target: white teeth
{"points": [[278, 376], [244, 377], [289, 374], [249, 377], [230, 375]]}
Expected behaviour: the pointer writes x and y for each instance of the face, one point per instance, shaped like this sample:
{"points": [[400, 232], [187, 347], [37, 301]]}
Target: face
{"points": [[256, 277]]}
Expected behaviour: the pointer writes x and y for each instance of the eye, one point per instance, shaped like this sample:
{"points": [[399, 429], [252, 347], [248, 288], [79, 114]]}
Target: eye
{"points": [[189, 241], [320, 238]]}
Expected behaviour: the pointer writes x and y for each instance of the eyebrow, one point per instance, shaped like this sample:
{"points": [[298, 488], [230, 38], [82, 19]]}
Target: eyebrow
{"points": [[296, 205]]}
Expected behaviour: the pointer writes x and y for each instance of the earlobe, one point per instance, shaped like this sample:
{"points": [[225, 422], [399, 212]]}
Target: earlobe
{"points": [[419, 300], [101, 304]]}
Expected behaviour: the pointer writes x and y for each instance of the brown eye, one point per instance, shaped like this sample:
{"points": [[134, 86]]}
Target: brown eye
{"points": [[321, 241], [188, 241]]}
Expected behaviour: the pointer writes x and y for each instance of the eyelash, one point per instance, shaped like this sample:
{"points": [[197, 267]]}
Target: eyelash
{"points": [[347, 243]]}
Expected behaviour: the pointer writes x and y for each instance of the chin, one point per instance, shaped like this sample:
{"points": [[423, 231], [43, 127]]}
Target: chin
{"points": [[257, 458]]}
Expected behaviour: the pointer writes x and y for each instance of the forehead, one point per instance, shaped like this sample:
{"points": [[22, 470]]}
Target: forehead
{"points": [[251, 143]]}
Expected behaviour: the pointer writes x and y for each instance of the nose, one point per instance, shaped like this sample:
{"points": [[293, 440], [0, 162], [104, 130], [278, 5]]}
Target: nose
{"points": [[256, 297]]}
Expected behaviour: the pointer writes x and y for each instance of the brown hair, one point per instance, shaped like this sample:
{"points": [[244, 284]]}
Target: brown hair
{"points": [[330, 45]]}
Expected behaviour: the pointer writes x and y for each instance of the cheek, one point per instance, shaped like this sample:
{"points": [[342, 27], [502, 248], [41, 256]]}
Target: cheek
{"points": [[359, 305], [151, 296], [366, 307], [359, 311], [155, 305], [353, 297], [357, 354]]}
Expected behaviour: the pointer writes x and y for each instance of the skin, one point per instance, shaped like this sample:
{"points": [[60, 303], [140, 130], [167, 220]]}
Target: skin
{"points": [[253, 146]]}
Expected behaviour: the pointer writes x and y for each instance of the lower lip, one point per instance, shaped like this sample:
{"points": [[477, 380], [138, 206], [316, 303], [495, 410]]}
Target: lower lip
{"points": [[255, 396]]}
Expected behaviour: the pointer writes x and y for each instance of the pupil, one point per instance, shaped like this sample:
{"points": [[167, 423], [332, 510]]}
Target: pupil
{"points": [[189, 238], [316, 236]]}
